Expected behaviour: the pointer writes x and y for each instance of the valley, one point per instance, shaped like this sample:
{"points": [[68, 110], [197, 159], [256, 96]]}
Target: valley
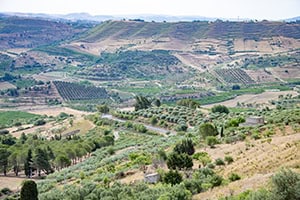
{"points": [[130, 109]]}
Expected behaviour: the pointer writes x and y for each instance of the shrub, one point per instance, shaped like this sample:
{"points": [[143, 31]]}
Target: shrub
{"points": [[256, 136], [29, 190], [153, 120], [172, 177], [181, 127], [193, 185], [140, 128], [203, 157], [211, 165], [220, 109], [207, 129], [286, 185], [4, 132], [216, 180], [190, 103], [39, 122], [219, 161], [111, 151], [185, 146], [179, 161], [234, 177], [6, 191], [228, 159], [211, 141]]}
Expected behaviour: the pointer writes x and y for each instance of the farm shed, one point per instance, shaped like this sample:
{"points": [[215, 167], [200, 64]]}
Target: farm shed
{"points": [[152, 178], [253, 121]]}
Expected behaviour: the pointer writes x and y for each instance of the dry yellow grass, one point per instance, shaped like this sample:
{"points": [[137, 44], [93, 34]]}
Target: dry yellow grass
{"points": [[255, 161], [267, 45], [262, 98]]}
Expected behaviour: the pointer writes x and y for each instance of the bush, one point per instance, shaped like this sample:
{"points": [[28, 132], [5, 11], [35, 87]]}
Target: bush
{"points": [[193, 185], [211, 141], [39, 122], [203, 157], [185, 146], [179, 161], [207, 129], [286, 185], [234, 177], [29, 190], [111, 151], [6, 191], [256, 136], [228, 159], [220, 109], [216, 180], [172, 177], [4, 132], [181, 127], [153, 120], [140, 128], [190, 103], [219, 161]]}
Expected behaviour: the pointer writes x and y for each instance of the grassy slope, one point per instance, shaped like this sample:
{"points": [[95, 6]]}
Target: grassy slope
{"points": [[191, 30], [9, 117]]}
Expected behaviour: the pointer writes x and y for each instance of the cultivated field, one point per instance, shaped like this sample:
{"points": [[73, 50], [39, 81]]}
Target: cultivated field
{"points": [[267, 45], [6, 85], [262, 98]]}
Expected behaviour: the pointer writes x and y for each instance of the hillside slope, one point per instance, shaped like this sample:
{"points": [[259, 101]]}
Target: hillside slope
{"points": [[192, 30], [17, 32]]}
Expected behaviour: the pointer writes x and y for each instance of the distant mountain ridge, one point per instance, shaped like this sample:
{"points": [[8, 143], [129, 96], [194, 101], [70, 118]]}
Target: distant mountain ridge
{"points": [[146, 17]]}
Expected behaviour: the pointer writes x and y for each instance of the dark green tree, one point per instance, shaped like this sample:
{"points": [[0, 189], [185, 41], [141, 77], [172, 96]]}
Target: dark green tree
{"points": [[179, 161], [4, 154], [172, 177], [153, 120], [15, 160], [188, 103], [29, 190], [286, 185], [141, 102], [50, 153], [103, 108], [23, 138], [207, 129], [156, 102], [211, 141], [220, 109], [185, 146], [28, 164], [62, 161], [41, 161]]}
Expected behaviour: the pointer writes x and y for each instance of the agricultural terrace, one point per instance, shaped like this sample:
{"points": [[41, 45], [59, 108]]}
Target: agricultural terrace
{"points": [[234, 76], [74, 91]]}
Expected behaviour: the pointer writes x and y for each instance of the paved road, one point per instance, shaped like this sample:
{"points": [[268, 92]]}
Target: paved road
{"points": [[152, 128]]}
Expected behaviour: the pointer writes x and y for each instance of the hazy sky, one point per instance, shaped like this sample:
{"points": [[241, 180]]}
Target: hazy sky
{"points": [[254, 9]]}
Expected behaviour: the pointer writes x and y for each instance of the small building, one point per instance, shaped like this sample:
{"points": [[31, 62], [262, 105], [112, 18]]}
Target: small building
{"points": [[152, 178], [253, 121]]}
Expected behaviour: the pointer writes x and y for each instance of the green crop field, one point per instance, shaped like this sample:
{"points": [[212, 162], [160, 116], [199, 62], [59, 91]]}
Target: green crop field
{"points": [[8, 118]]}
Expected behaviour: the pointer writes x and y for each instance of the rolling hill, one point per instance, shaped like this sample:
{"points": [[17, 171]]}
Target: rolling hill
{"points": [[20, 32]]}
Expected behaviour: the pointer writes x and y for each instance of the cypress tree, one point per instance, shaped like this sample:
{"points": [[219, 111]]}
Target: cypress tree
{"points": [[29, 190]]}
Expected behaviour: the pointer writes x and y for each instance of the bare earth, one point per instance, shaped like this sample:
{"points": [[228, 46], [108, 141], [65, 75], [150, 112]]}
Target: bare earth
{"points": [[49, 110], [256, 161], [262, 98], [79, 123], [6, 85], [13, 183]]}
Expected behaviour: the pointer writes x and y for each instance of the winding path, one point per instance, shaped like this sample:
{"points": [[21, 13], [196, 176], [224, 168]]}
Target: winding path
{"points": [[161, 131]]}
